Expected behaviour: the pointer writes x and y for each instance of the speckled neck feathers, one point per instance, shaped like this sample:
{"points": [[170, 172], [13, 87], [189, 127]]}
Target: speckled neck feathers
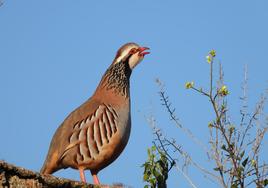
{"points": [[116, 78]]}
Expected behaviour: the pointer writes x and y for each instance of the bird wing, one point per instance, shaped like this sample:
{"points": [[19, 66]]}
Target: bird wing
{"points": [[92, 132]]}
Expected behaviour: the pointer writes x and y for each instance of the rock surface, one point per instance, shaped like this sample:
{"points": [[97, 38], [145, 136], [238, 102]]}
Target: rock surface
{"points": [[16, 177], [12, 176]]}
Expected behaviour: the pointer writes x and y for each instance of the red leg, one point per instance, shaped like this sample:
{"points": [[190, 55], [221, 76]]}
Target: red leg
{"points": [[82, 175], [95, 179]]}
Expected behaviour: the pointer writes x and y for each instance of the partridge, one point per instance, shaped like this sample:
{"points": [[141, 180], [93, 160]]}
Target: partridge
{"points": [[95, 134]]}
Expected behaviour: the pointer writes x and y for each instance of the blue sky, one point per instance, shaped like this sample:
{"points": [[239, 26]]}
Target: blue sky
{"points": [[53, 54]]}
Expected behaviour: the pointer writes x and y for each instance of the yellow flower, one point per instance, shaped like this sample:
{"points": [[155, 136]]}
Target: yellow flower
{"points": [[189, 85], [223, 91], [210, 125], [210, 56], [209, 59], [231, 128], [212, 53], [253, 162]]}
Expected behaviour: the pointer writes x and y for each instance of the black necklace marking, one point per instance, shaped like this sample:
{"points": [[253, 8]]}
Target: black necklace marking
{"points": [[117, 77]]}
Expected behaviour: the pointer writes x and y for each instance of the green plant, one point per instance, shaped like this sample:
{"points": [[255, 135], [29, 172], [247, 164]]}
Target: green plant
{"points": [[156, 168], [234, 147], [232, 155]]}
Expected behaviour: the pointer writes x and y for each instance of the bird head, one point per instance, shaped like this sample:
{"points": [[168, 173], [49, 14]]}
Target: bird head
{"points": [[131, 52]]}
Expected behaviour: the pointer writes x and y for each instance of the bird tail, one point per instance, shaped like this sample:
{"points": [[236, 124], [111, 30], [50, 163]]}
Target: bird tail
{"points": [[50, 165], [44, 170]]}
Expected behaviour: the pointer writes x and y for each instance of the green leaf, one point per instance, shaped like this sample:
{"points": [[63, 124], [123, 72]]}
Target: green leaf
{"points": [[224, 147], [217, 169], [153, 182], [155, 168], [265, 182], [240, 170], [242, 154], [245, 162], [234, 186]]}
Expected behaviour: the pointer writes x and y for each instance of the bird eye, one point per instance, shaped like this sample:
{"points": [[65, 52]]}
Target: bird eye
{"points": [[133, 51]]}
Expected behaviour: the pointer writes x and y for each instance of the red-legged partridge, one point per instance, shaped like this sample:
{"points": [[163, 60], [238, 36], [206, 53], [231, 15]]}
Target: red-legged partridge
{"points": [[95, 134]]}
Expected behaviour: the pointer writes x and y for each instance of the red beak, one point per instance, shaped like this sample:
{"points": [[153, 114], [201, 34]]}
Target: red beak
{"points": [[142, 51]]}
